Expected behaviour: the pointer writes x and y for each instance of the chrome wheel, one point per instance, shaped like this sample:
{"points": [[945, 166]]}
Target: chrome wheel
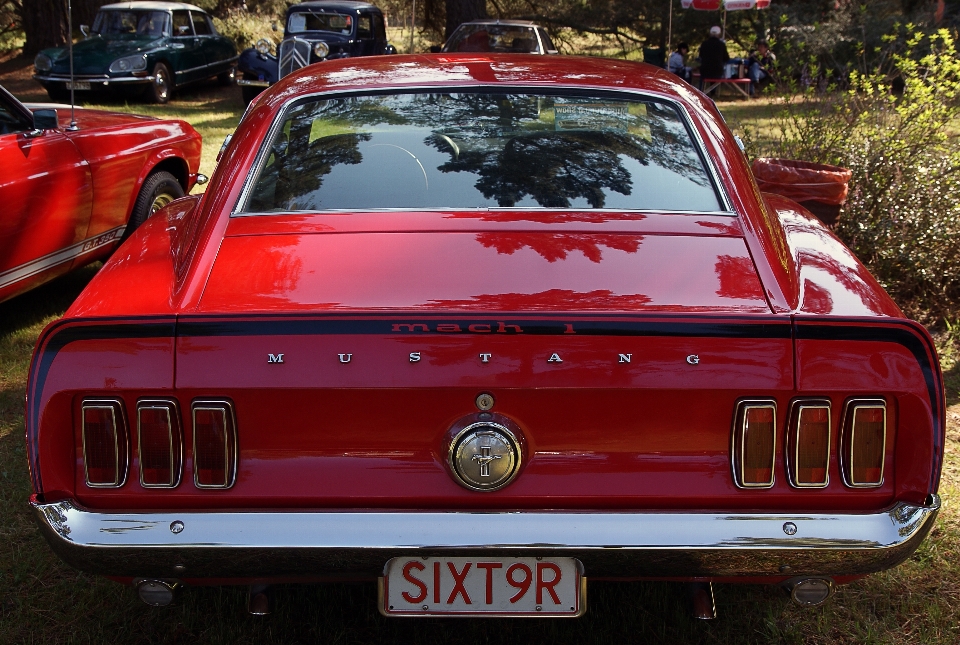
{"points": [[162, 85], [160, 201]]}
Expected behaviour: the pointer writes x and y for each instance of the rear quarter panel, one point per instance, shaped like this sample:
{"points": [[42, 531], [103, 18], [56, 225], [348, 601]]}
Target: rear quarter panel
{"points": [[122, 150]]}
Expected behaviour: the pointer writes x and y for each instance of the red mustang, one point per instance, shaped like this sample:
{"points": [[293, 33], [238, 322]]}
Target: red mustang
{"points": [[68, 197], [482, 327]]}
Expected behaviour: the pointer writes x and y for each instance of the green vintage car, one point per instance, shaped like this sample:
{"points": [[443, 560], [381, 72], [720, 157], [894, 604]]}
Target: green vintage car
{"points": [[153, 47]]}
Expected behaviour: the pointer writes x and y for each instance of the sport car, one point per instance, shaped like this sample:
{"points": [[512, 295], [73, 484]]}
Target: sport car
{"points": [[70, 196], [482, 327]]}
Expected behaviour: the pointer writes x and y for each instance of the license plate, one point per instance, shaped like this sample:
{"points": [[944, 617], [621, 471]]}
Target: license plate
{"points": [[441, 586], [78, 85]]}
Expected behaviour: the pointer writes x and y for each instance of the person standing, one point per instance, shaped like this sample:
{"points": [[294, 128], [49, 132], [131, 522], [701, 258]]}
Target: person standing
{"points": [[677, 62], [713, 56]]}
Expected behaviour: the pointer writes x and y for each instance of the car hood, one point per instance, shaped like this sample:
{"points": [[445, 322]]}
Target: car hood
{"points": [[479, 265], [90, 119], [94, 55]]}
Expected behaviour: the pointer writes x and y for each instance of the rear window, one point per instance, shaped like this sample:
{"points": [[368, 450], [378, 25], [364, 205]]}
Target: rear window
{"points": [[493, 38], [480, 150]]}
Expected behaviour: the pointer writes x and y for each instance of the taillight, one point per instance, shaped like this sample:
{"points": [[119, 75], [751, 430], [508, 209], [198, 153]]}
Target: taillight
{"points": [[160, 443], [104, 431], [214, 444], [754, 441], [864, 442], [808, 444]]}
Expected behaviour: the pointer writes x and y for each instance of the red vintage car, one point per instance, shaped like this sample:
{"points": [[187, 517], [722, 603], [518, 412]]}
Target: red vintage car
{"points": [[482, 327], [69, 196]]}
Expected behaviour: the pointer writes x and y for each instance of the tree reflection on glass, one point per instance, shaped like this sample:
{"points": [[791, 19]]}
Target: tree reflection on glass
{"points": [[482, 150]]}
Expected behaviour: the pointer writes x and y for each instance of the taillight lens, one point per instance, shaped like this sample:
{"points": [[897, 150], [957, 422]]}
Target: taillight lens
{"points": [[809, 444], [864, 446], [754, 441], [160, 444], [214, 444], [104, 431]]}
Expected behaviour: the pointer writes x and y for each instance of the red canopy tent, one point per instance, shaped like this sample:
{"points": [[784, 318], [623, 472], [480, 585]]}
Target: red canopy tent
{"points": [[716, 5]]}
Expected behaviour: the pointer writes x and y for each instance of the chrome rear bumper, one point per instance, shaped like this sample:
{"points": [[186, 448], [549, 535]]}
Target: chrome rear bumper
{"points": [[246, 544]]}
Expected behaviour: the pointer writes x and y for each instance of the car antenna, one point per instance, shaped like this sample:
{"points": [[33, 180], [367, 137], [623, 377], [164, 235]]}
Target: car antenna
{"points": [[73, 116]]}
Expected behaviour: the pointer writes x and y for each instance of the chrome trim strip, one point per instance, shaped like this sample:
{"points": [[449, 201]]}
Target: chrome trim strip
{"points": [[793, 434], [227, 407], [119, 425], [263, 153], [41, 264], [739, 437], [208, 65], [610, 543], [176, 452], [485, 209], [242, 81], [103, 80], [847, 435]]}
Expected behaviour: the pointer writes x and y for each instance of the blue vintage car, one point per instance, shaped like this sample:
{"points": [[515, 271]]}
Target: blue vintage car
{"points": [[152, 46], [314, 32]]}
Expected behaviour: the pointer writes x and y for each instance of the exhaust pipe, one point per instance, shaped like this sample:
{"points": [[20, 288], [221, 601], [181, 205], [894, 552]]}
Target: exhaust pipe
{"points": [[810, 592], [701, 597], [260, 600], [157, 593]]}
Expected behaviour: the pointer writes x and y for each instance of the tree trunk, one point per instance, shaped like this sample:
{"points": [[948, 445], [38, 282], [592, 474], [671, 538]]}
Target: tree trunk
{"points": [[44, 24], [45, 21], [460, 11]]}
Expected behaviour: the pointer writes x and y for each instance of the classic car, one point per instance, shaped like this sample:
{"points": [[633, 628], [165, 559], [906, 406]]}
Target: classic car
{"points": [[516, 36], [71, 194], [481, 327], [314, 32], [145, 46]]}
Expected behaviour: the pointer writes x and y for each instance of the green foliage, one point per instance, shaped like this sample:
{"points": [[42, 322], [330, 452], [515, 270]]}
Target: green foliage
{"points": [[902, 216], [245, 27]]}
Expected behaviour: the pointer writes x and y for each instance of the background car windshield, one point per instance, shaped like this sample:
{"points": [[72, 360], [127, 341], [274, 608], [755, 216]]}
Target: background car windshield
{"points": [[494, 38], [305, 21], [480, 150], [131, 23]]}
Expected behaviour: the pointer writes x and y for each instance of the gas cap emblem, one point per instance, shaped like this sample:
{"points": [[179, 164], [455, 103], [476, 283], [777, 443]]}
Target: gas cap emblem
{"points": [[485, 456]]}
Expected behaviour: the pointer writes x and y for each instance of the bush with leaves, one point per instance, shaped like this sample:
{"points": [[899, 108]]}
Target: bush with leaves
{"points": [[902, 217]]}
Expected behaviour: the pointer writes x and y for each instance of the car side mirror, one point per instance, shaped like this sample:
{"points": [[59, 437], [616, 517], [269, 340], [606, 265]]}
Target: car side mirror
{"points": [[435, 49], [85, 30], [45, 120]]}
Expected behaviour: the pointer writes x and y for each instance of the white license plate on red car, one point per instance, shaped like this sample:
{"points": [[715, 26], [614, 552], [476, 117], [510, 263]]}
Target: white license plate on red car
{"points": [[78, 85], [439, 586]]}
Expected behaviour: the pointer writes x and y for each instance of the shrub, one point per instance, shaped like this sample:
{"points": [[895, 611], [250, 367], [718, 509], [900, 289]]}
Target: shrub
{"points": [[902, 217], [245, 27]]}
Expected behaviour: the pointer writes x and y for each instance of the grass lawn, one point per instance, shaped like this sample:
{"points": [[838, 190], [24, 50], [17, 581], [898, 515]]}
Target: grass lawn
{"points": [[45, 601]]}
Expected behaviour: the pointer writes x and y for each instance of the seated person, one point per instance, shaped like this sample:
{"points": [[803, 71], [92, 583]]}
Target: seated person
{"points": [[713, 56], [522, 45], [677, 62], [760, 65]]}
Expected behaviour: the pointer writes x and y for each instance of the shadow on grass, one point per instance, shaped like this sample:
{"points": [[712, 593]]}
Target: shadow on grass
{"points": [[50, 299], [951, 381]]}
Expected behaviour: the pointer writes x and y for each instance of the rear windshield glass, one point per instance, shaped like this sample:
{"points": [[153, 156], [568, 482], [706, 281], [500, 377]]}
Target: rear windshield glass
{"points": [[494, 38], [481, 150]]}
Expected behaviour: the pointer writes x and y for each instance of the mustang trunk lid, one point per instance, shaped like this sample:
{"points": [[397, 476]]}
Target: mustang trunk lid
{"points": [[351, 356], [484, 271]]}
